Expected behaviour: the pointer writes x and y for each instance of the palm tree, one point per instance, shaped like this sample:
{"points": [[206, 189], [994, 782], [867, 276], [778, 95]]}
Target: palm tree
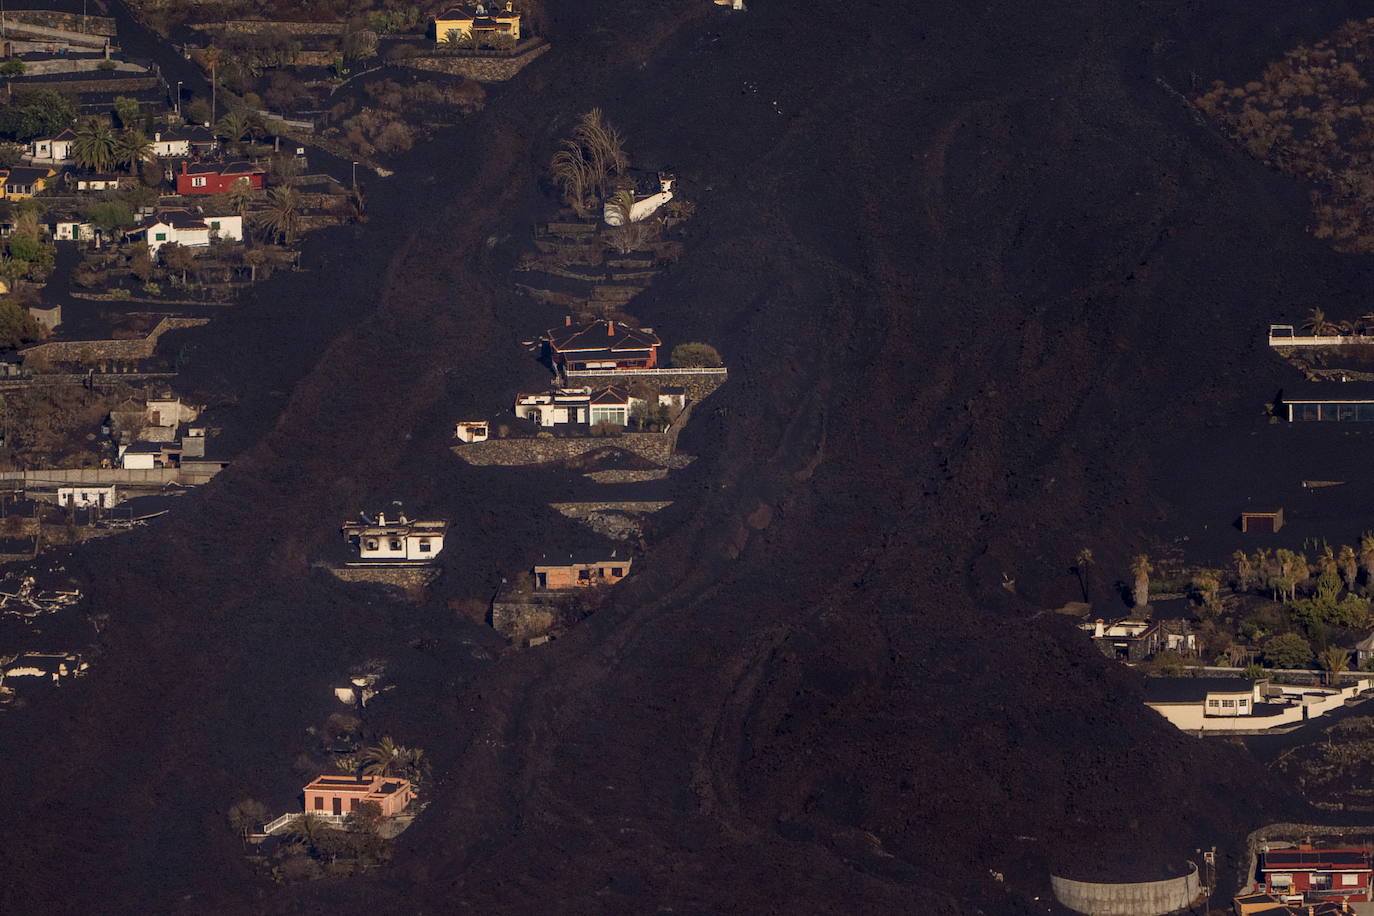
{"points": [[1081, 564], [1350, 568], [1141, 569], [1245, 571], [282, 217], [573, 174], [1335, 660], [308, 830], [94, 146], [1318, 324], [384, 759], [1367, 558], [240, 196], [232, 127], [133, 148], [604, 144]]}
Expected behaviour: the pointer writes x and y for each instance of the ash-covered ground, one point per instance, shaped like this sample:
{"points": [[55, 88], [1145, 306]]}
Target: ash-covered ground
{"points": [[990, 292]]}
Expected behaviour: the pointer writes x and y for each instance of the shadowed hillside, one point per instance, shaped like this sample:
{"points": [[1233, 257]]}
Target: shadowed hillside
{"points": [[981, 278]]}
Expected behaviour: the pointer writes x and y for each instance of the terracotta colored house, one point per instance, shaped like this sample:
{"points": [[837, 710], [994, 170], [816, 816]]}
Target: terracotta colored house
{"points": [[602, 345], [1317, 874], [216, 177], [339, 795], [581, 571]]}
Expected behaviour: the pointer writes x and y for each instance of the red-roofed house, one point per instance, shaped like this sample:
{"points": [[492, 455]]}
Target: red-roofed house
{"points": [[602, 345], [1317, 874], [216, 177]]}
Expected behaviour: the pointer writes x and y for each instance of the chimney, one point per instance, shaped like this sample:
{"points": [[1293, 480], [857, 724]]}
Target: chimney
{"points": [[567, 321], [157, 136], [610, 328], [183, 166], [381, 518]]}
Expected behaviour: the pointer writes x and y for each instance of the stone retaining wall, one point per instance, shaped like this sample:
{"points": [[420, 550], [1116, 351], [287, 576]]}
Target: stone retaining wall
{"points": [[84, 87], [621, 476], [586, 509], [655, 447], [407, 577], [698, 387], [482, 69], [92, 351], [71, 22], [258, 26], [522, 618]]}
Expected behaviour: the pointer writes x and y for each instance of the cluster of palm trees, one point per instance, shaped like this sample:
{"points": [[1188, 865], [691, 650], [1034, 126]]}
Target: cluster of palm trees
{"points": [[98, 147], [1282, 571], [588, 160], [387, 758], [1318, 325]]}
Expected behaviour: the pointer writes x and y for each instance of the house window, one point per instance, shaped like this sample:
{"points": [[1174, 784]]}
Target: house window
{"points": [[1244, 703], [215, 225], [1228, 704], [370, 544], [352, 804], [614, 415], [1350, 880], [160, 236], [197, 182], [617, 572], [584, 575], [395, 543], [424, 545], [319, 802], [1213, 704]]}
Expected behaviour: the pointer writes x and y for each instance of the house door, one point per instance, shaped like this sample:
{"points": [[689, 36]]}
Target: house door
{"points": [[338, 806]]}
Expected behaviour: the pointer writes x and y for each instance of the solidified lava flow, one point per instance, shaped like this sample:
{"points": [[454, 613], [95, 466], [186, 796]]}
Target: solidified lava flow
{"points": [[983, 279]]}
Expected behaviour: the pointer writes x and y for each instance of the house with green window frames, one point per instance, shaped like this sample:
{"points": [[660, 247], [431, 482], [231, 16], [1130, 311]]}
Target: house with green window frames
{"points": [[179, 226], [1329, 402]]}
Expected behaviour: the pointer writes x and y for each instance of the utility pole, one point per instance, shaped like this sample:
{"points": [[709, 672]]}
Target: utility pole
{"points": [[178, 98], [355, 176]]}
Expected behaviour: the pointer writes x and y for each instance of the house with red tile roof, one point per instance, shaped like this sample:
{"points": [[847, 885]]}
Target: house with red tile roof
{"points": [[216, 177], [602, 345]]}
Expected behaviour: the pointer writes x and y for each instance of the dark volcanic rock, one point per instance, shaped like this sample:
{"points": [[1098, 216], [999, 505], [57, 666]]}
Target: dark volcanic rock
{"points": [[981, 278]]}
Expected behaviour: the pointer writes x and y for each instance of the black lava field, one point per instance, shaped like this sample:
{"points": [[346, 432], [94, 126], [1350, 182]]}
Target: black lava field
{"points": [[985, 284]]}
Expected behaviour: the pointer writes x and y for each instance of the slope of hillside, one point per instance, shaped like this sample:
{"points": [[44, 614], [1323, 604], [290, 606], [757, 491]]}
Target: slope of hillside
{"points": [[981, 278]]}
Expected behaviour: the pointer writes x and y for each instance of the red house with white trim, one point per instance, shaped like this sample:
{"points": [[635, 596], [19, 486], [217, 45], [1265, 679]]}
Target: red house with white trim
{"points": [[1312, 875], [602, 345], [216, 177]]}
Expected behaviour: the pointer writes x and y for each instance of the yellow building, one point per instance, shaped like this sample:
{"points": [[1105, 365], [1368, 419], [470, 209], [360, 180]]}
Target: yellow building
{"points": [[22, 182], [485, 20]]}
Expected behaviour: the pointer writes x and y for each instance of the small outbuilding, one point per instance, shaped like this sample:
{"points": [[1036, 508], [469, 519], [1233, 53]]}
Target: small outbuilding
{"points": [[1261, 521]]}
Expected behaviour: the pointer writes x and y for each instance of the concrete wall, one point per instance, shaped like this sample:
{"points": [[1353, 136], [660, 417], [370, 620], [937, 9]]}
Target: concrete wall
{"points": [[656, 447], [152, 477], [88, 351], [1190, 717], [1145, 898]]}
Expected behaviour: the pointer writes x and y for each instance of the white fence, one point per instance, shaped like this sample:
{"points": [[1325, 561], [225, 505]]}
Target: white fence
{"points": [[592, 373], [1283, 335]]}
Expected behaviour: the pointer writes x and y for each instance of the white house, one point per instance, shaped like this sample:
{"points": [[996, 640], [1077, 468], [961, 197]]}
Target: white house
{"points": [[398, 540], [84, 183], [471, 431], [52, 150], [563, 406], [181, 227], [87, 497], [141, 456], [1220, 704], [183, 141], [643, 207], [71, 230], [733, 4]]}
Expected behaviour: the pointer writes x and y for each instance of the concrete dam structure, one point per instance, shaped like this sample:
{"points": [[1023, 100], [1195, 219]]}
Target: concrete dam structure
{"points": [[1143, 898]]}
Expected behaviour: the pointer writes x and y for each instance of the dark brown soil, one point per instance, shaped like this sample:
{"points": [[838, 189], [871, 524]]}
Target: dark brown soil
{"points": [[989, 293]]}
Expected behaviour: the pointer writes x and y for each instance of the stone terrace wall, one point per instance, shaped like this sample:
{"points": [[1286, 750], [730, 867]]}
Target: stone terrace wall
{"points": [[89, 351], [482, 69], [698, 387], [656, 447], [407, 577], [92, 86], [257, 26], [585, 509], [95, 25]]}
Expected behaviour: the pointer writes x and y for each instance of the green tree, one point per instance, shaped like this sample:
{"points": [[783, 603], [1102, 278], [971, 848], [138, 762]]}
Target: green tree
{"points": [[41, 113], [308, 831], [111, 216], [178, 258], [132, 149], [127, 111], [1335, 660], [367, 817], [12, 67], [232, 127], [694, 355], [25, 248], [95, 146], [1288, 650], [17, 327], [386, 758]]}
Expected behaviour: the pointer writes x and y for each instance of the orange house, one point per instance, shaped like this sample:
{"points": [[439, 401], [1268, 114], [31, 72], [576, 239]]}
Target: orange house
{"points": [[339, 795], [580, 572]]}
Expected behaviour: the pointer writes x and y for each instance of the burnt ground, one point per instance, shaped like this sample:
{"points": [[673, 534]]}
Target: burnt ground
{"points": [[989, 292]]}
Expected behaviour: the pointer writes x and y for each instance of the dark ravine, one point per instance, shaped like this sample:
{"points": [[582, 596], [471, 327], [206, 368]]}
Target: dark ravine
{"points": [[957, 258]]}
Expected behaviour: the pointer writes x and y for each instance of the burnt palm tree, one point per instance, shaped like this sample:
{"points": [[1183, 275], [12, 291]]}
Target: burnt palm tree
{"points": [[574, 175], [1140, 571], [1318, 324]]}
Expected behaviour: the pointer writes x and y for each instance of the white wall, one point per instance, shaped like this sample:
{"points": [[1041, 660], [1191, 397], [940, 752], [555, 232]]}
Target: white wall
{"points": [[403, 547]]}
